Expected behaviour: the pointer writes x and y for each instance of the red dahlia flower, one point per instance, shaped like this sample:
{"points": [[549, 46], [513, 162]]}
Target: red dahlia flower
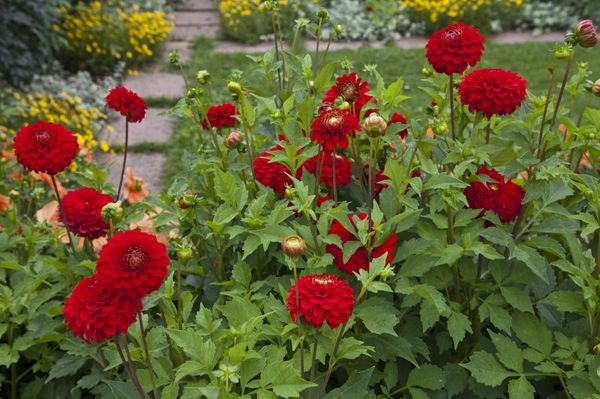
{"points": [[343, 168], [399, 118], [128, 103], [455, 47], [360, 259], [332, 128], [96, 311], [323, 199], [321, 297], [274, 175], [82, 210], [503, 198], [352, 89], [45, 147], [220, 116], [492, 91], [134, 262]]}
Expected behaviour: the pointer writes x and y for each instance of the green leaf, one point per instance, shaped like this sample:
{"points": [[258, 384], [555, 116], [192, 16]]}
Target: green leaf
{"points": [[284, 380], [517, 299], [427, 376], [456, 379], [486, 370], [566, 301], [533, 332], [508, 352], [520, 389], [66, 365], [356, 387], [532, 260], [122, 390], [444, 182], [324, 78], [379, 315], [458, 326]]}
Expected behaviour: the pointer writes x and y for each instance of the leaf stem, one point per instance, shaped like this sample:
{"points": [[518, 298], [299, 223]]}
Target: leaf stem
{"points": [[62, 212], [124, 159]]}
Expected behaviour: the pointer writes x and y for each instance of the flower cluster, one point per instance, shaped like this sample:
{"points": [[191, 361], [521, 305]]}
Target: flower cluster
{"points": [[220, 116], [453, 9], [234, 10], [504, 198], [271, 174]]}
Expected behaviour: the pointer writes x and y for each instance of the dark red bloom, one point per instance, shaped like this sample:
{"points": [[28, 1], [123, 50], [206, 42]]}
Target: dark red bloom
{"points": [[45, 147], [97, 311], [82, 209], [492, 91], [360, 259], [343, 168], [399, 118], [133, 261], [220, 116], [332, 128], [352, 89], [274, 175], [455, 47], [321, 297], [128, 103], [323, 199], [503, 198]]}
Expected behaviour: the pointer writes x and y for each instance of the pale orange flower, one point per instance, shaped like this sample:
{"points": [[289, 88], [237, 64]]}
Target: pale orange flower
{"points": [[86, 154], [134, 187], [48, 180], [146, 224], [16, 175], [4, 204]]}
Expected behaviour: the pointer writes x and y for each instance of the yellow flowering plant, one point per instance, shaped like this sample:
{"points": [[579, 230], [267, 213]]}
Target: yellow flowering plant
{"points": [[103, 33]]}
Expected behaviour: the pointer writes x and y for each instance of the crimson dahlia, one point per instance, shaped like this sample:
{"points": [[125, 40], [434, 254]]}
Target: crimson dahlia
{"points": [[128, 103], [343, 168], [274, 175], [133, 261], [45, 147], [97, 311], [352, 89], [455, 47], [321, 297], [220, 116], [332, 128], [83, 209], [360, 259], [504, 198], [492, 91]]}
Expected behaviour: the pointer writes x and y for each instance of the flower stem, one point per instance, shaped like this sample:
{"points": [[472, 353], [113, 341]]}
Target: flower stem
{"points": [[562, 89], [129, 369], [300, 327], [488, 132], [336, 346], [335, 194], [62, 212], [545, 113], [124, 159], [452, 116], [370, 182], [318, 37], [147, 352], [179, 304]]}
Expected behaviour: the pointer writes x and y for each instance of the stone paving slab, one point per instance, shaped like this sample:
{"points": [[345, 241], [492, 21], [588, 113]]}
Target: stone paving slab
{"points": [[195, 5], [196, 18], [156, 84], [190, 33], [155, 128], [184, 49], [523, 37], [146, 166]]}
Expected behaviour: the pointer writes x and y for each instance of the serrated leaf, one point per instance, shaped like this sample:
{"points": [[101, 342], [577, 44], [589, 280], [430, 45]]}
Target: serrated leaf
{"points": [[356, 387], [520, 389], [533, 332], [486, 370], [508, 352], [458, 326], [427, 376], [566, 301], [517, 299], [122, 390], [378, 315]]}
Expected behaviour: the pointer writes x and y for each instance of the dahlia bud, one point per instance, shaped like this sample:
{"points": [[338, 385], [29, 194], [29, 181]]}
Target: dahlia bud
{"points": [[3, 137], [184, 253], [323, 16], [203, 77], [194, 93], [112, 212], [270, 5], [233, 140], [439, 127], [344, 105], [234, 87], [426, 71], [562, 52], [174, 57], [290, 192], [293, 246], [596, 88], [187, 200], [338, 30], [585, 34], [14, 194], [374, 125], [277, 115]]}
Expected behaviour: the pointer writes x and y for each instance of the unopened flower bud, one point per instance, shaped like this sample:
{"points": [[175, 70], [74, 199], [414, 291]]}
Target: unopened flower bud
{"points": [[112, 212], [234, 87], [323, 16], [14, 194], [586, 34], [184, 253], [277, 115], [338, 29], [174, 57], [194, 93], [374, 125], [290, 192], [203, 76], [187, 200], [439, 127], [3, 137], [562, 52], [270, 5], [344, 105], [293, 245], [426, 71], [233, 140], [596, 88], [387, 273]]}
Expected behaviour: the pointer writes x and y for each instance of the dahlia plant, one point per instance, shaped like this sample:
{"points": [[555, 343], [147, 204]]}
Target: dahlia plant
{"points": [[326, 242]]}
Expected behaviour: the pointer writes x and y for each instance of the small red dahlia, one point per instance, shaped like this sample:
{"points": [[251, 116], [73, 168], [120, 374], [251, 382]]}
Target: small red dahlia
{"points": [[45, 147], [97, 311], [399, 118], [321, 297], [360, 259], [332, 128], [503, 198], [323, 199], [455, 47], [492, 91], [343, 168], [352, 89], [133, 261], [128, 103], [274, 175], [82, 210], [220, 116]]}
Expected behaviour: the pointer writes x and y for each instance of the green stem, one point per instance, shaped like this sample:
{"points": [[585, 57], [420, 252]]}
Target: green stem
{"points": [[124, 159], [318, 37], [335, 194], [562, 89], [488, 132], [300, 326], [62, 212], [452, 116], [545, 113], [179, 304], [129, 367]]}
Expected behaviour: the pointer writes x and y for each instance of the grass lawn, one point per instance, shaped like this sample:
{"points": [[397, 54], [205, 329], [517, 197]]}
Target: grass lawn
{"points": [[531, 60]]}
